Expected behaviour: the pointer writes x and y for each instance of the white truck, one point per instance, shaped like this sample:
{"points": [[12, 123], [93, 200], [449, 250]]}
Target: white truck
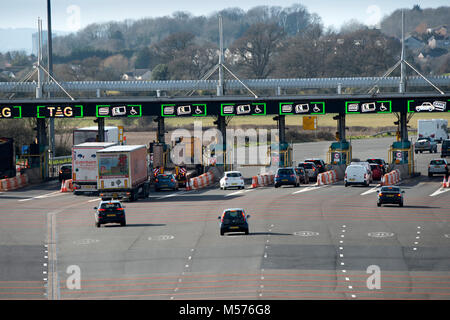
{"points": [[123, 172], [85, 167], [435, 129], [89, 134]]}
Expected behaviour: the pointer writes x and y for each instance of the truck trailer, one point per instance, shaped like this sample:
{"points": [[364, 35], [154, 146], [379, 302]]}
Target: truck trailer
{"points": [[435, 129], [85, 166], [123, 172], [90, 134]]}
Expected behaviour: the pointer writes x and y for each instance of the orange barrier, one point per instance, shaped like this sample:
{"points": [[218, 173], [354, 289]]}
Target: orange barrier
{"points": [[262, 180], [201, 181], [391, 178], [66, 185], [14, 183], [327, 177]]}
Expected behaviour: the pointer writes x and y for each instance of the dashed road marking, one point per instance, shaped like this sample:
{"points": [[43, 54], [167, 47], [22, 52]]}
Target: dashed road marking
{"points": [[439, 191], [306, 189]]}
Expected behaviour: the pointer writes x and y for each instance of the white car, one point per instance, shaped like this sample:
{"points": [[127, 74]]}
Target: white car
{"points": [[232, 179], [426, 106]]}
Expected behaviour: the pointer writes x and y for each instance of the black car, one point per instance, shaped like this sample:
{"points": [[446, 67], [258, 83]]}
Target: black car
{"points": [[233, 220], [65, 172], [390, 195], [302, 174], [320, 164], [109, 211]]}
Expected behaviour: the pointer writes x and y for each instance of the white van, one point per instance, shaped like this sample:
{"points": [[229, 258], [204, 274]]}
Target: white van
{"points": [[357, 174]]}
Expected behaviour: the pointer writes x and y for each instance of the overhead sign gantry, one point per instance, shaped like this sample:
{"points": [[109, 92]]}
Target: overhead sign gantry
{"points": [[224, 106]]}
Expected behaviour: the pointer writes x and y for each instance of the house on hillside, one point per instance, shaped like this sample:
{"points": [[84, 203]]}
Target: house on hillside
{"points": [[137, 74], [441, 31], [434, 43], [414, 43]]}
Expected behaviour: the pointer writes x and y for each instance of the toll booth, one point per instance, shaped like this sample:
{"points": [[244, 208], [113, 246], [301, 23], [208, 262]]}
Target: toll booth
{"points": [[281, 154], [340, 153], [402, 153]]}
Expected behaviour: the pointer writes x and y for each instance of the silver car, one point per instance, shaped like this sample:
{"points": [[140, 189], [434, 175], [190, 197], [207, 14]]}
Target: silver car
{"points": [[439, 166], [310, 169]]}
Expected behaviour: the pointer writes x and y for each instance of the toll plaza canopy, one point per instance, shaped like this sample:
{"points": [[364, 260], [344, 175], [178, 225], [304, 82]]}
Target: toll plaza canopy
{"points": [[202, 106]]}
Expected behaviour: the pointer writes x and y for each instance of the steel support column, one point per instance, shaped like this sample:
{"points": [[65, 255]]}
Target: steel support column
{"points": [[160, 134]]}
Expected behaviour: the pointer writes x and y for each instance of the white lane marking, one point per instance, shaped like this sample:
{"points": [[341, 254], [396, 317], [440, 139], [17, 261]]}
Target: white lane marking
{"points": [[439, 191], [51, 194], [234, 193], [306, 189], [171, 195], [374, 189], [93, 200], [47, 195]]}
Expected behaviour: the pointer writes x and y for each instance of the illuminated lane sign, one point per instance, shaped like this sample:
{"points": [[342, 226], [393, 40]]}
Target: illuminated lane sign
{"points": [[127, 110], [185, 110], [313, 107], [432, 105], [58, 111], [10, 112], [368, 107], [247, 109]]}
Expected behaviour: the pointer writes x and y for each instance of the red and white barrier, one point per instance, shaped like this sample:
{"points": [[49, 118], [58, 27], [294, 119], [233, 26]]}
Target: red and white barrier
{"points": [[262, 180], [391, 178], [446, 183], [327, 177], [14, 183], [201, 181], [66, 185]]}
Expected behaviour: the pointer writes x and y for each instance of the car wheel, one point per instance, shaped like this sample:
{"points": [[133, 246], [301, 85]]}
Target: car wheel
{"points": [[276, 186], [97, 224], [222, 232], [246, 231], [123, 223], [401, 204], [378, 204], [430, 174], [346, 185]]}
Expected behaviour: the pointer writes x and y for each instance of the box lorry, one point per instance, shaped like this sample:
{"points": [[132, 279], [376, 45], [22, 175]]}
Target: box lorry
{"points": [[89, 134], [435, 129], [85, 167], [123, 172], [7, 158]]}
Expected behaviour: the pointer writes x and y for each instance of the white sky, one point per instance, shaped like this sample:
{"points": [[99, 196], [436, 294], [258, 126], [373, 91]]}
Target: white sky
{"points": [[71, 15]]}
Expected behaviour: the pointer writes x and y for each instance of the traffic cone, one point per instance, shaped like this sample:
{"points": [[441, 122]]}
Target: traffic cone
{"points": [[63, 186], [445, 184], [254, 182]]}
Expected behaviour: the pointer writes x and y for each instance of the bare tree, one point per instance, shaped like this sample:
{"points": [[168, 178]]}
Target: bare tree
{"points": [[255, 49]]}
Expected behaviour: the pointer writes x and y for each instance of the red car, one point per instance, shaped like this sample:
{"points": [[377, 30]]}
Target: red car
{"points": [[377, 171]]}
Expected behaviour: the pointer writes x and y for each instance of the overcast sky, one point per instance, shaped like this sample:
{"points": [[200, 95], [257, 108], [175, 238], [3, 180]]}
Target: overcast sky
{"points": [[71, 15]]}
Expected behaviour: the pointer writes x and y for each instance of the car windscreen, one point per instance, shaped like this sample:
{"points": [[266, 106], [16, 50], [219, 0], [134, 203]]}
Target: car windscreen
{"points": [[390, 189], [307, 165], [233, 175], [437, 162], [374, 166], [111, 206], [164, 176], [233, 215]]}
